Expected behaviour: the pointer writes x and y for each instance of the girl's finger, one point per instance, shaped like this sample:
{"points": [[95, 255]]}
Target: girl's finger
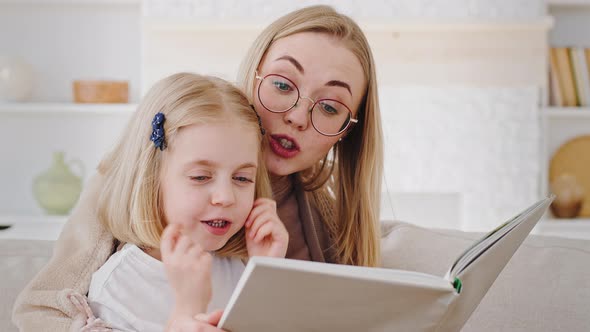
{"points": [[196, 251], [183, 244], [260, 206], [264, 231], [254, 214], [169, 239], [257, 223]]}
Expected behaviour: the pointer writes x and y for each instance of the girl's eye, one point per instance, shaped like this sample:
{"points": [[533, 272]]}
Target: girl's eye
{"points": [[200, 178], [243, 179]]}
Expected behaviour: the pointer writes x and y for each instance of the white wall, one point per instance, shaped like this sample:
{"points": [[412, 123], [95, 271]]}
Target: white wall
{"points": [[459, 88], [63, 41], [72, 40]]}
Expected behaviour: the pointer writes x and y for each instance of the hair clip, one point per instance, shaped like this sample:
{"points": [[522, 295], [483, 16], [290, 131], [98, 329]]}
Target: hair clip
{"points": [[158, 131], [262, 131]]}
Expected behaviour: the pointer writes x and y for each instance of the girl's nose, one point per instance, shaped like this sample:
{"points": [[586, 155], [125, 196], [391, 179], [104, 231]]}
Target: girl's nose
{"points": [[223, 194]]}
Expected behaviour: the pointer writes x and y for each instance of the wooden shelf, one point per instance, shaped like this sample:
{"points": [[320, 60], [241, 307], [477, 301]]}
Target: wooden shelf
{"points": [[50, 108]]}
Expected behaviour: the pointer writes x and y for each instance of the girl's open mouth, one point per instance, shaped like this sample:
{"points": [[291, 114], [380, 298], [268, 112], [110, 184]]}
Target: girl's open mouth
{"points": [[217, 227]]}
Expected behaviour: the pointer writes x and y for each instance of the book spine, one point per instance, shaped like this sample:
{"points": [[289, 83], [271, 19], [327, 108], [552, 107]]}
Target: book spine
{"points": [[579, 73], [566, 78], [555, 89], [584, 74]]}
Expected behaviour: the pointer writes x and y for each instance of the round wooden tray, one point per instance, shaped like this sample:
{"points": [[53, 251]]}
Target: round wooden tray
{"points": [[573, 157]]}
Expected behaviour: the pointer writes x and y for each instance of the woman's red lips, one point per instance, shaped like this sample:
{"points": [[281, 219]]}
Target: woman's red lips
{"points": [[283, 146]]}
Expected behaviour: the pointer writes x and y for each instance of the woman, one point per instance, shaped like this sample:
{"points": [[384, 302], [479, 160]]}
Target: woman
{"points": [[311, 78]]}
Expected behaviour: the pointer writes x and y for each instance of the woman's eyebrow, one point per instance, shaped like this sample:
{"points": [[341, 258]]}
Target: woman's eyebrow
{"points": [[341, 84], [293, 62], [299, 67]]}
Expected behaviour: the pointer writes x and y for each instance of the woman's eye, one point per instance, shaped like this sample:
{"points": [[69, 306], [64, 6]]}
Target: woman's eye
{"points": [[281, 85], [327, 108], [243, 179]]}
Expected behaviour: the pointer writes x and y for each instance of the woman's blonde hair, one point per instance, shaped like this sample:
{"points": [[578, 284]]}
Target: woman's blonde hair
{"points": [[352, 177], [130, 205]]}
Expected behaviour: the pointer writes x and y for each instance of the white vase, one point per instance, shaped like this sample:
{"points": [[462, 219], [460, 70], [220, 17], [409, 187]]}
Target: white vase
{"points": [[16, 79]]}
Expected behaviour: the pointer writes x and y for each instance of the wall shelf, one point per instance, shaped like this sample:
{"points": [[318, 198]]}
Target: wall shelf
{"points": [[32, 227], [567, 112], [72, 2], [69, 108], [195, 23], [568, 2], [19, 219]]}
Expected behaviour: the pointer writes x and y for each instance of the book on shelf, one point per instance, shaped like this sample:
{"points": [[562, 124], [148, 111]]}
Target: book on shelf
{"points": [[555, 97], [290, 295], [563, 69], [580, 73], [569, 76]]}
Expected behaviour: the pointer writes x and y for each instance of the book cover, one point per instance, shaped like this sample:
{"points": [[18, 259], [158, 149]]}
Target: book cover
{"points": [[289, 295]]}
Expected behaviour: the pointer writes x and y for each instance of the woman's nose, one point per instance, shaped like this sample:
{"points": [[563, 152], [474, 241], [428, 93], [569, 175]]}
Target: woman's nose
{"points": [[298, 116], [223, 194]]}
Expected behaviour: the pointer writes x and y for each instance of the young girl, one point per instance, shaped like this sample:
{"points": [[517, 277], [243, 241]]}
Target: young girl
{"points": [[330, 209], [178, 195]]}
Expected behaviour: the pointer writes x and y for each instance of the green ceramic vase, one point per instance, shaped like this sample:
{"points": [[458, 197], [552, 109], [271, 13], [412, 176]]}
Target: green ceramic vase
{"points": [[57, 189]]}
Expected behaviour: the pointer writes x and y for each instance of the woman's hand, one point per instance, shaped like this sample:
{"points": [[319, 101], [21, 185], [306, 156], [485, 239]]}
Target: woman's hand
{"points": [[265, 233], [188, 268]]}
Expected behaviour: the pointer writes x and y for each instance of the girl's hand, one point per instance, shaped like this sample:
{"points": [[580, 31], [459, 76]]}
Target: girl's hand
{"points": [[188, 268], [199, 323], [265, 233]]}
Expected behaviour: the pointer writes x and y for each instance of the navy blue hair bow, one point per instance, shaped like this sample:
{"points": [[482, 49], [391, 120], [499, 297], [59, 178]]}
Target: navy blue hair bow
{"points": [[158, 134]]}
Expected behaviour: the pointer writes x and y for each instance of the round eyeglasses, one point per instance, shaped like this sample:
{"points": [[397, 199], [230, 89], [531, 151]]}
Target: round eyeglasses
{"points": [[279, 94]]}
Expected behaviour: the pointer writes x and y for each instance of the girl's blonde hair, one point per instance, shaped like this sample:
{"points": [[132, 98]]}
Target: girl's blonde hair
{"points": [[352, 177], [130, 205]]}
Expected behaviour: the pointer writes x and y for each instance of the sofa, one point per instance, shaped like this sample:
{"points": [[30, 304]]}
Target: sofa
{"points": [[544, 287]]}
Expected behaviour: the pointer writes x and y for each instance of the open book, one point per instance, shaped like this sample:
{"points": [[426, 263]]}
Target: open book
{"points": [[291, 295]]}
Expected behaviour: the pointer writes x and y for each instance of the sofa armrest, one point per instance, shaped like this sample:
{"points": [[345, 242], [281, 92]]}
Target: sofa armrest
{"points": [[20, 260], [544, 287]]}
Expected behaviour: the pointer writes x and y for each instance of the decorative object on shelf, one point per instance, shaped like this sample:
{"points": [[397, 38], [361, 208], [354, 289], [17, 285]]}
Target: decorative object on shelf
{"points": [[101, 91], [569, 196], [16, 79], [573, 158], [57, 189]]}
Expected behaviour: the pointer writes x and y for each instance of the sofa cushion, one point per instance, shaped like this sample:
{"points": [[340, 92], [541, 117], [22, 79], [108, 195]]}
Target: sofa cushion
{"points": [[544, 287], [20, 260]]}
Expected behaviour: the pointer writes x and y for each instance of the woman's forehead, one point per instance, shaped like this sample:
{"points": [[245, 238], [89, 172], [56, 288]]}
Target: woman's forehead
{"points": [[316, 56]]}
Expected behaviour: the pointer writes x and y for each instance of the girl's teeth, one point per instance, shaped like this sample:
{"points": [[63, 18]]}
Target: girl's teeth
{"points": [[218, 224], [286, 143]]}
